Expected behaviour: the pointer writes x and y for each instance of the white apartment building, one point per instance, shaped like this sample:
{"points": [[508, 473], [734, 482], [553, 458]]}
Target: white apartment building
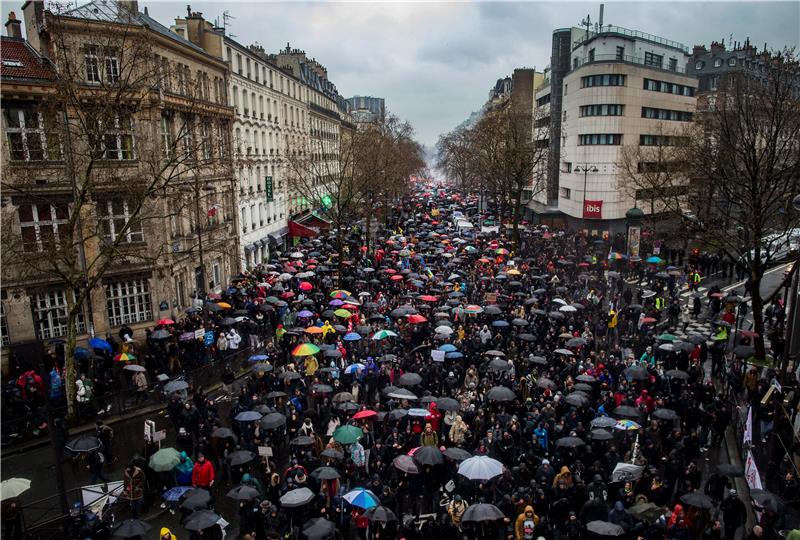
{"points": [[270, 110], [623, 87]]}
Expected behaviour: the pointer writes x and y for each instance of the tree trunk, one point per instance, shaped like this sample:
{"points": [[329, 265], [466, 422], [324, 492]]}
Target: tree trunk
{"points": [[516, 219], [70, 375]]}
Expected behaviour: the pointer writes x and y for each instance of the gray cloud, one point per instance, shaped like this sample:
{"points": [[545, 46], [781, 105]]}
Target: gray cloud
{"points": [[435, 62]]}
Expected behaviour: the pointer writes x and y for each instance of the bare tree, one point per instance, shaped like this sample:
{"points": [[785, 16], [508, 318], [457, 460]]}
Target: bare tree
{"points": [[102, 116]]}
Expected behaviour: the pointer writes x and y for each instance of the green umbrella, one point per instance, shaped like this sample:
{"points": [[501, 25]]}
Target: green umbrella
{"points": [[347, 434], [343, 313], [164, 460], [383, 334], [13, 487], [666, 337]]}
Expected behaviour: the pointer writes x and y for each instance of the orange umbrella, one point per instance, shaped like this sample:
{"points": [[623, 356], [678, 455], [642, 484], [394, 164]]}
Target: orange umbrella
{"points": [[224, 305], [313, 330]]}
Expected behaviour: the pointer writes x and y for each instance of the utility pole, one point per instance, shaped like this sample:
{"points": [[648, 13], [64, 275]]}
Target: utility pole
{"points": [[586, 169]]}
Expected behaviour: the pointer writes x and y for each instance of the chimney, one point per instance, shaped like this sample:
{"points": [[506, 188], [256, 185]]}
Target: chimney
{"points": [[35, 26], [13, 26], [717, 47], [699, 50], [127, 8]]}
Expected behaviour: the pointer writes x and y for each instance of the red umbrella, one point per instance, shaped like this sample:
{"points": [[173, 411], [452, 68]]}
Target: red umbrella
{"points": [[390, 271], [305, 286], [428, 298], [396, 277], [362, 415], [287, 294], [748, 333], [416, 319], [165, 322], [648, 320]]}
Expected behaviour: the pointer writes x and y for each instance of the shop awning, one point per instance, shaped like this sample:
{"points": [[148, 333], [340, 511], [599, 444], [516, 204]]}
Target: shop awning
{"points": [[300, 230]]}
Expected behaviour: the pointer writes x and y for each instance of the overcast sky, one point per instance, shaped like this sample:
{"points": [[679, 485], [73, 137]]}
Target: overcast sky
{"points": [[434, 62]]}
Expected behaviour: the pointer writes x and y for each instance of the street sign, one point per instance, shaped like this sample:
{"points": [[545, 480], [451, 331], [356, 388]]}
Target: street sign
{"points": [[149, 430], [268, 189]]}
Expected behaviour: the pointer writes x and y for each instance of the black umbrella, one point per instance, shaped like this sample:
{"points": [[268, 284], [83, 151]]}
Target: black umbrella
{"points": [[526, 337], [428, 455], [319, 529], [604, 528], [482, 512], [240, 457], [635, 372], [447, 404], [380, 514], [627, 411], [404, 463], [409, 379], [325, 473], [501, 393], [698, 499], [603, 422], [767, 500], [200, 520], [584, 378], [276, 394], [457, 454], [273, 420], [677, 374], [600, 435], [243, 493], [540, 360], [744, 351], [728, 469], [297, 497], [569, 442], [223, 433], [196, 499], [332, 453], [577, 400], [575, 342], [83, 443], [665, 414], [302, 440], [544, 382], [131, 528], [498, 364]]}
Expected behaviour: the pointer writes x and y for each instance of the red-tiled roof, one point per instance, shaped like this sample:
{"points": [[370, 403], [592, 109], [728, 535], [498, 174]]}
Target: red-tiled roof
{"points": [[20, 61]]}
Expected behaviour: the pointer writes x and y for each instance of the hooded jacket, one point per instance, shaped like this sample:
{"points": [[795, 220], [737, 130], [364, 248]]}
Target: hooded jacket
{"points": [[167, 534], [523, 531], [183, 470]]}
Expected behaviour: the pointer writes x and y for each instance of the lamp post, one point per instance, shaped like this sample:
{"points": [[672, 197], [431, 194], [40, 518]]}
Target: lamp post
{"points": [[791, 342], [585, 169]]}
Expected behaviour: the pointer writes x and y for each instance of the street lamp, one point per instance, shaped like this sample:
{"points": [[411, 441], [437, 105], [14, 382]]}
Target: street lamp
{"points": [[790, 344], [585, 169]]}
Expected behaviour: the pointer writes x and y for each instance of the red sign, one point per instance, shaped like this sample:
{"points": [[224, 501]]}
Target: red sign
{"points": [[593, 209]]}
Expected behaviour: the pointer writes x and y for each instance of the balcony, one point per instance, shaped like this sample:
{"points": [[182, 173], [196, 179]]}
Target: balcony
{"points": [[624, 59], [620, 31]]}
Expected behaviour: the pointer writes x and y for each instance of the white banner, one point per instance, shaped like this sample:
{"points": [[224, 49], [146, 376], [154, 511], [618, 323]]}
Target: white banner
{"points": [[437, 356], [748, 428], [751, 472]]}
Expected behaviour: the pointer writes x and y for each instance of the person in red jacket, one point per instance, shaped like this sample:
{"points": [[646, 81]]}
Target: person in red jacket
{"points": [[202, 473]]}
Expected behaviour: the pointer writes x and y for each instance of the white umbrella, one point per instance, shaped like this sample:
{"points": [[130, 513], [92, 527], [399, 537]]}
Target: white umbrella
{"points": [[14, 487], [480, 468], [567, 309], [560, 301], [297, 255], [285, 276], [446, 330]]}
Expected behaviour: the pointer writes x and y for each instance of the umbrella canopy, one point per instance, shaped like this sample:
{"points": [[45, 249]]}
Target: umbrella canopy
{"points": [[600, 434], [305, 349], [243, 493], [698, 499], [131, 528], [767, 500], [319, 529], [603, 422], [482, 512], [297, 497], [409, 379], [83, 443], [196, 499], [362, 498], [347, 434], [604, 528], [447, 404], [665, 414], [202, 519], [569, 442], [240, 457], [501, 393], [480, 468], [728, 469], [325, 473], [248, 416], [428, 455], [175, 386], [380, 514], [406, 464], [14, 487]]}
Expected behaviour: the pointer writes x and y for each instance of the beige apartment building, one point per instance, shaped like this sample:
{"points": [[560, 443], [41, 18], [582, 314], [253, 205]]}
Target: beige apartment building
{"points": [[176, 117]]}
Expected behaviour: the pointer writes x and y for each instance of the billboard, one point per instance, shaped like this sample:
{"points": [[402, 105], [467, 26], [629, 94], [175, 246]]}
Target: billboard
{"points": [[592, 209]]}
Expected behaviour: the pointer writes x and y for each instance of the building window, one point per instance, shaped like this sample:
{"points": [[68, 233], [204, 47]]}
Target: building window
{"points": [[661, 140], [620, 53], [114, 216], [215, 274], [4, 340], [592, 139], [50, 314], [591, 55], [187, 137], [224, 140], [699, 65], [92, 64], [602, 110], [713, 82], [118, 141], [166, 134], [666, 114], [565, 193], [205, 139], [654, 60], [112, 65], [602, 80], [668, 88], [128, 302], [717, 62], [673, 64], [43, 226], [31, 136], [567, 167], [732, 61]]}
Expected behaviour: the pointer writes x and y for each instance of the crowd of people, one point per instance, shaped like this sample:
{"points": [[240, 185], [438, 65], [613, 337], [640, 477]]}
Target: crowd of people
{"points": [[441, 384]]}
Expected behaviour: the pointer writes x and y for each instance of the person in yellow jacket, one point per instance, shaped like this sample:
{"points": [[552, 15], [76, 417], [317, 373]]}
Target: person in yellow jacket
{"points": [[526, 524], [327, 328], [612, 319], [166, 534], [311, 366]]}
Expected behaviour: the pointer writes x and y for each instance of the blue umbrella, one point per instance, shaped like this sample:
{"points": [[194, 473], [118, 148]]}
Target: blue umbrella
{"points": [[352, 336], [352, 368], [80, 352], [175, 493], [453, 355], [362, 498], [500, 324], [448, 348], [248, 416], [258, 358], [305, 314], [98, 343]]}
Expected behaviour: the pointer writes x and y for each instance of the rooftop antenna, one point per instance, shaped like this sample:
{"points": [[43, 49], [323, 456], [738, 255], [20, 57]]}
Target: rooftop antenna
{"points": [[601, 17], [587, 22], [226, 16]]}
